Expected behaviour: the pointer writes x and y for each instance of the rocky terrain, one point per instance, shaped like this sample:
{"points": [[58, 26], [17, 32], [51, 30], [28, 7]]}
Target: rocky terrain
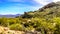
{"points": [[5, 30]]}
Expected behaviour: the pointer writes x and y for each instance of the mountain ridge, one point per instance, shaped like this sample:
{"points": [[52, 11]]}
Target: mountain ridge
{"points": [[9, 15], [48, 11]]}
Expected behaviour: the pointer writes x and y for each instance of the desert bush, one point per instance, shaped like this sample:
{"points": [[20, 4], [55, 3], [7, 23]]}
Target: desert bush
{"points": [[17, 27]]}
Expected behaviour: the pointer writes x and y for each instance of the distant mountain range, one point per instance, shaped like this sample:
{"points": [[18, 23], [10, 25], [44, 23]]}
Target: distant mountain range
{"points": [[10, 15]]}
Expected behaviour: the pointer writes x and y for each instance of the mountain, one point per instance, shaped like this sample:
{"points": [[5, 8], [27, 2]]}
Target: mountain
{"points": [[10, 15], [48, 11]]}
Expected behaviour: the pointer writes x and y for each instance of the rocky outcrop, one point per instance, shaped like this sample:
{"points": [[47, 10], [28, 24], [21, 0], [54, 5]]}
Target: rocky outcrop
{"points": [[49, 6]]}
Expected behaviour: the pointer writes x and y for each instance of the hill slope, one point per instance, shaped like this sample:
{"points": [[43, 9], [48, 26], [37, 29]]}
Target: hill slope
{"points": [[49, 11]]}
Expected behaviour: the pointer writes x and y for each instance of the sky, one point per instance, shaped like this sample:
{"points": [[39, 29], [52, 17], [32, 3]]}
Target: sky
{"points": [[21, 6]]}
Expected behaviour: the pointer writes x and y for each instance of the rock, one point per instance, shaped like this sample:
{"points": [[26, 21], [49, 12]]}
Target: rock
{"points": [[1, 29]]}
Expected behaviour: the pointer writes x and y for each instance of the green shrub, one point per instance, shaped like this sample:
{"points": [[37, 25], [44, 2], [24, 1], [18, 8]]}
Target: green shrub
{"points": [[16, 27]]}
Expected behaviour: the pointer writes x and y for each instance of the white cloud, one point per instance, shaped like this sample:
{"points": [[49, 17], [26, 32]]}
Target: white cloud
{"points": [[43, 2], [56, 0]]}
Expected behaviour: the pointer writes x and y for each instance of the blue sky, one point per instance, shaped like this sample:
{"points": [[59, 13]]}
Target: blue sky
{"points": [[21, 6]]}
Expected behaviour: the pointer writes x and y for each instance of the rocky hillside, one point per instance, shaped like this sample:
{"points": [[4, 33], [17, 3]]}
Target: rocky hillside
{"points": [[49, 11]]}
